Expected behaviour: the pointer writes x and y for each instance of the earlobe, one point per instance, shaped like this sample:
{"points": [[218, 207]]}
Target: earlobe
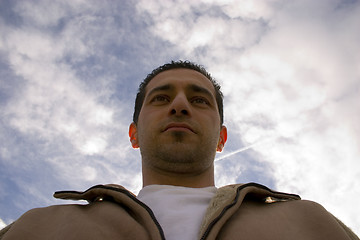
{"points": [[133, 135], [222, 139]]}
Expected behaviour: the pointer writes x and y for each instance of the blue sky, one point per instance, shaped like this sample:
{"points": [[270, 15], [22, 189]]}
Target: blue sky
{"points": [[289, 70]]}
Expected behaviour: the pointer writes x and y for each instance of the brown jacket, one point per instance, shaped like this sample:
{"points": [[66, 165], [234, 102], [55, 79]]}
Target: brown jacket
{"points": [[249, 211]]}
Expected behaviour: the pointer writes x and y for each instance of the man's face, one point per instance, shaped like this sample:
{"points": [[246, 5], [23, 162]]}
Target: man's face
{"points": [[178, 129]]}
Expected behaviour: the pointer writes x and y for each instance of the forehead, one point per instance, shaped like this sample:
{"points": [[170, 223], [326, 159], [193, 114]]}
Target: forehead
{"points": [[181, 77]]}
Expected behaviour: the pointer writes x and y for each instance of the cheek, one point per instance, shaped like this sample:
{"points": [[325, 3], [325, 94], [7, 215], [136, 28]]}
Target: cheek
{"points": [[143, 120], [151, 119], [212, 121], [146, 128]]}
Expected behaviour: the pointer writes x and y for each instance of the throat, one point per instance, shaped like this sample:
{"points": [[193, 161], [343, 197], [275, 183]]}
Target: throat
{"points": [[178, 178]]}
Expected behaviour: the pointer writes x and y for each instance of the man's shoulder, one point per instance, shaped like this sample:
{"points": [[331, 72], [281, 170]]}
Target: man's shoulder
{"points": [[108, 213], [254, 206], [95, 203]]}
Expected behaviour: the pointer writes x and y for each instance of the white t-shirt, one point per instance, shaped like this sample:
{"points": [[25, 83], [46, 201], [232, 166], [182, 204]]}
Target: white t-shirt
{"points": [[179, 210]]}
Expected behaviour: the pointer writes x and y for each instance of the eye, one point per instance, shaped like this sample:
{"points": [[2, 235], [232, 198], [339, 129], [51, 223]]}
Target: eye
{"points": [[200, 100], [160, 98]]}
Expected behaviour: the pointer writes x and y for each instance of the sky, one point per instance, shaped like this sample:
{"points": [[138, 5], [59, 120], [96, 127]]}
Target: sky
{"points": [[289, 70]]}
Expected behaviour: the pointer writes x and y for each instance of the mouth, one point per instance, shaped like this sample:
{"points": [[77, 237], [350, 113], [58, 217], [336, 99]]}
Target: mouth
{"points": [[180, 127]]}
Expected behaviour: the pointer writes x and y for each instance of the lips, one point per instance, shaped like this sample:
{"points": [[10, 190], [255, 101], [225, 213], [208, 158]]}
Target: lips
{"points": [[178, 127]]}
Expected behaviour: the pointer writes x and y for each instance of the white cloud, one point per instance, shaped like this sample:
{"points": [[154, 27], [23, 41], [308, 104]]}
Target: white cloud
{"points": [[230, 176], [52, 100], [73, 124], [299, 95], [54, 103], [189, 31], [46, 13], [2, 224], [248, 9], [93, 145]]}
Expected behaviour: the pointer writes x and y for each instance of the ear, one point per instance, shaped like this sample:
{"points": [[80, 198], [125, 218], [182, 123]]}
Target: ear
{"points": [[222, 139], [133, 135]]}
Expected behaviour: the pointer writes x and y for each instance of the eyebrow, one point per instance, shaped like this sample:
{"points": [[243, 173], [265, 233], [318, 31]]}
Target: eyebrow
{"points": [[160, 88], [198, 89], [190, 87]]}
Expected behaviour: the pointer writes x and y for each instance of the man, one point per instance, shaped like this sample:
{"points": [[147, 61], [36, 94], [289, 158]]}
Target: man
{"points": [[178, 126]]}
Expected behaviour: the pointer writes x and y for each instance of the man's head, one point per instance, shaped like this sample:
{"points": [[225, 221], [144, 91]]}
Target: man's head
{"points": [[174, 65], [178, 127]]}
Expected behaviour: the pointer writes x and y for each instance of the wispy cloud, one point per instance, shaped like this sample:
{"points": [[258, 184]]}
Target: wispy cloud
{"points": [[227, 155]]}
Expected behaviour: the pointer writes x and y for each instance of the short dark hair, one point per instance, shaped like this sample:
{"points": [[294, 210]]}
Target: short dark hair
{"points": [[140, 96]]}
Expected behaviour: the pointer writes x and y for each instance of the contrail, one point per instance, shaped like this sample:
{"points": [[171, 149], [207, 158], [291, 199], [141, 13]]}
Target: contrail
{"points": [[242, 149]]}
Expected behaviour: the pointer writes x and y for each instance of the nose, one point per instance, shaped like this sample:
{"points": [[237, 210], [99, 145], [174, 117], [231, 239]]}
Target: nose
{"points": [[180, 106]]}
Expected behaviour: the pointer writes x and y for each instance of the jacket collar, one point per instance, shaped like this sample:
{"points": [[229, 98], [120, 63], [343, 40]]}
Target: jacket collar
{"points": [[227, 200]]}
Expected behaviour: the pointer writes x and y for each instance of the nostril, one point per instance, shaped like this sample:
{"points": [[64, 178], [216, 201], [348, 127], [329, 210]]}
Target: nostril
{"points": [[185, 112]]}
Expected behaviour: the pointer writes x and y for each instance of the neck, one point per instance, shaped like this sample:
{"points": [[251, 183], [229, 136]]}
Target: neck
{"points": [[198, 180]]}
